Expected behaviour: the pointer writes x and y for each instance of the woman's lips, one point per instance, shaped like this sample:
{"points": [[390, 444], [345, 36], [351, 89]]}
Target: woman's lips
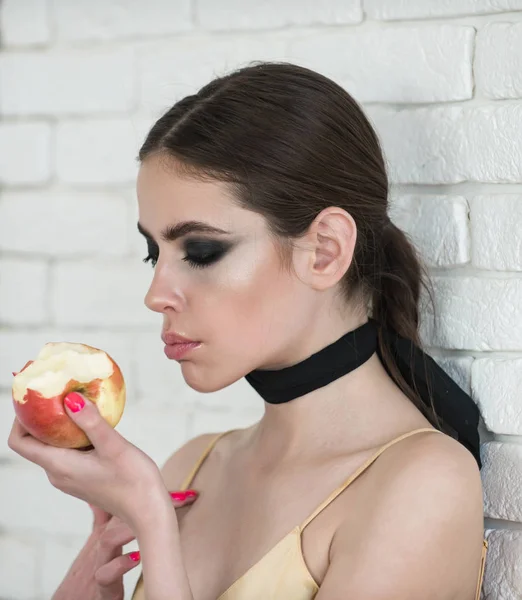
{"points": [[177, 351], [174, 338]]}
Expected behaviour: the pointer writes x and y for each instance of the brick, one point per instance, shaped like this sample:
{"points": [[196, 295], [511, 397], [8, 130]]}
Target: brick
{"points": [[101, 151], [496, 387], [17, 347], [170, 70], [38, 83], [502, 480], [492, 149], [25, 153], [502, 576], [498, 60], [23, 291], [116, 19], [493, 218], [233, 14], [18, 568], [64, 223], [17, 29], [420, 145], [451, 144], [34, 506], [476, 313], [399, 64], [112, 294], [421, 9], [437, 225]]}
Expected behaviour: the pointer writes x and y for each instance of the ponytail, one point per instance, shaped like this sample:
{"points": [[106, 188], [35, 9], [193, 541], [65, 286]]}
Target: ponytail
{"points": [[395, 303]]}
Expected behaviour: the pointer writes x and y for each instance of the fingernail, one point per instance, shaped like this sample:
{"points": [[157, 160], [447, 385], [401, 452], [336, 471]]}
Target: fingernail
{"points": [[135, 556], [74, 401], [178, 496], [191, 494]]}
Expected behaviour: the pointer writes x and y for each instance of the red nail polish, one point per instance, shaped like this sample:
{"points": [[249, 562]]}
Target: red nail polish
{"points": [[74, 401], [191, 494], [180, 496], [135, 556]]}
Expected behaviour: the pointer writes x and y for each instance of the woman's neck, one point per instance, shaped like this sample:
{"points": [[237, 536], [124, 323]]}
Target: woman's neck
{"points": [[359, 410]]}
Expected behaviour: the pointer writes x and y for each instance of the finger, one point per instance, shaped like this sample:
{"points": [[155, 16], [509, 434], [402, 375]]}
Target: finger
{"points": [[18, 428], [44, 455], [18, 431], [112, 573], [183, 498], [114, 536], [87, 416]]}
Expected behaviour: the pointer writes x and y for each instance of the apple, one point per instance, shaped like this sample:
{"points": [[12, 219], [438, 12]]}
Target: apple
{"points": [[60, 368]]}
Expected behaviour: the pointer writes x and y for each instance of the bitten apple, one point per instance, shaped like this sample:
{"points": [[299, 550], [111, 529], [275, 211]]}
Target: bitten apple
{"points": [[60, 368]]}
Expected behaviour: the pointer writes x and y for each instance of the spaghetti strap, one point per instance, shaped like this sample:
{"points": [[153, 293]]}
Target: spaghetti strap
{"points": [[481, 570], [360, 470], [199, 462]]}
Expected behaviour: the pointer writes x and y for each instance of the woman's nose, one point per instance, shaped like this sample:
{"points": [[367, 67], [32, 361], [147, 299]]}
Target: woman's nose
{"points": [[162, 293]]}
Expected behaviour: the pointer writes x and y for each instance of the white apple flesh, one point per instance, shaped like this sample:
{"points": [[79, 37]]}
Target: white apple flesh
{"points": [[40, 387]]}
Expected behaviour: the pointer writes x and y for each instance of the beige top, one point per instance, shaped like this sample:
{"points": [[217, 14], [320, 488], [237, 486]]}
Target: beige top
{"points": [[282, 572]]}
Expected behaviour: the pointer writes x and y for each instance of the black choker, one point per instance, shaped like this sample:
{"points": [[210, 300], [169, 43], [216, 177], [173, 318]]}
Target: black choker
{"points": [[457, 412]]}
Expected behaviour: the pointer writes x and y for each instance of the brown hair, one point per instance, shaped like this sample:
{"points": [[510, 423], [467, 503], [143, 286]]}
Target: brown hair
{"points": [[291, 142]]}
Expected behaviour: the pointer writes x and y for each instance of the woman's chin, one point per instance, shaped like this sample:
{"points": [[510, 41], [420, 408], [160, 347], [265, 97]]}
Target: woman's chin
{"points": [[199, 381]]}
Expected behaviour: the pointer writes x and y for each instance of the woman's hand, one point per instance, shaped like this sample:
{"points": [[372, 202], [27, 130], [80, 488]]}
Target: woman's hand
{"points": [[98, 570], [114, 475]]}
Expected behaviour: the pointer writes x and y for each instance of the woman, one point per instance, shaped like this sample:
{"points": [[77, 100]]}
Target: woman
{"points": [[263, 200]]}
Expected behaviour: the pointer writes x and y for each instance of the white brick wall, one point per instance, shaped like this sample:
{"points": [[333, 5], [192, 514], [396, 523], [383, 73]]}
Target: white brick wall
{"points": [[80, 83]]}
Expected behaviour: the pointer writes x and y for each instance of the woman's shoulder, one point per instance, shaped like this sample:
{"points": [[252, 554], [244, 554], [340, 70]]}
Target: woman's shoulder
{"points": [[439, 459], [426, 507]]}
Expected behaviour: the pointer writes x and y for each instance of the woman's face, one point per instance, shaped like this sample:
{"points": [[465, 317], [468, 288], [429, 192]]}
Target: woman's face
{"points": [[227, 291]]}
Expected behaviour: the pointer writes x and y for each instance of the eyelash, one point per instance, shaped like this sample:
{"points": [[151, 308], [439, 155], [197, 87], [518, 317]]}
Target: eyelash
{"points": [[193, 262]]}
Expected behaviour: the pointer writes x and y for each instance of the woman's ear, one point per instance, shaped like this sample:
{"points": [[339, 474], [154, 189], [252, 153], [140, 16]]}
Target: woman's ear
{"points": [[326, 251]]}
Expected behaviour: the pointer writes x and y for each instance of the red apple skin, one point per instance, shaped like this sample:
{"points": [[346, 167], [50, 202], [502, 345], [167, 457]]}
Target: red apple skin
{"points": [[47, 420]]}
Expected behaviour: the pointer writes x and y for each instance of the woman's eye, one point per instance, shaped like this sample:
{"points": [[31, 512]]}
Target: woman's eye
{"points": [[203, 254], [199, 254]]}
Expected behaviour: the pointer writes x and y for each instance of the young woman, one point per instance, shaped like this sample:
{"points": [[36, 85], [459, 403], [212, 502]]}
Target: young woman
{"points": [[263, 200], [284, 164]]}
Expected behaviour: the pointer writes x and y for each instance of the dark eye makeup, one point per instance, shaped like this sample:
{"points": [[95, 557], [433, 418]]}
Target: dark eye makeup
{"points": [[199, 253]]}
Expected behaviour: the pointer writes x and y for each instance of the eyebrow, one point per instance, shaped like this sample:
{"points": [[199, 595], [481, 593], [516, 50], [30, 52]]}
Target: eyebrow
{"points": [[173, 232]]}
